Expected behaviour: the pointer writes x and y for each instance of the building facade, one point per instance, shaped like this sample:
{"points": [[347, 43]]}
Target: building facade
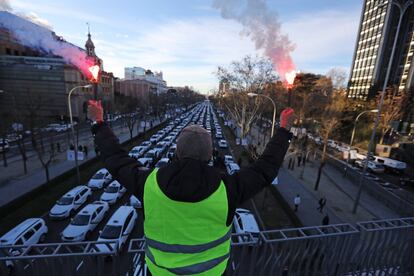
{"points": [[155, 79], [33, 85], [133, 72], [377, 31], [137, 89], [29, 79]]}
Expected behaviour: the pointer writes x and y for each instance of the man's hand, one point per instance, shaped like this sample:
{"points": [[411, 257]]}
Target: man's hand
{"points": [[95, 111], [286, 118]]}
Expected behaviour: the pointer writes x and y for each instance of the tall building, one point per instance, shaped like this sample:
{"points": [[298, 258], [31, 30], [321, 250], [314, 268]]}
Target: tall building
{"points": [[155, 79], [377, 30], [132, 73]]}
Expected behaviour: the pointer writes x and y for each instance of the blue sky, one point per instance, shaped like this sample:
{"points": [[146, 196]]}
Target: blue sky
{"points": [[187, 40]]}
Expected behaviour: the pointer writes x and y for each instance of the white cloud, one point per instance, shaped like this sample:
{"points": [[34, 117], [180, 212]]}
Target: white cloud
{"points": [[57, 9], [324, 40], [188, 51]]}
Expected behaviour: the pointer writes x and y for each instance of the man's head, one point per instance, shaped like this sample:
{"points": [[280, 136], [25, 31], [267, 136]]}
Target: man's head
{"points": [[194, 142]]}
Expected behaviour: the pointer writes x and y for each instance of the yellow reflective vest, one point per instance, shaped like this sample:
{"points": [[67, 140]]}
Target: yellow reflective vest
{"points": [[185, 238]]}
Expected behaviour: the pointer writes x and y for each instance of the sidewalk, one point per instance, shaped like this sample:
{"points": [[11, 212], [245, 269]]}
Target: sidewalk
{"points": [[289, 186], [18, 186], [340, 194], [338, 191]]}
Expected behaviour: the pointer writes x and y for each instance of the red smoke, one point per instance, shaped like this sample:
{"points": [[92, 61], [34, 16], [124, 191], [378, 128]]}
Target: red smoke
{"points": [[263, 26], [283, 65], [45, 41]]}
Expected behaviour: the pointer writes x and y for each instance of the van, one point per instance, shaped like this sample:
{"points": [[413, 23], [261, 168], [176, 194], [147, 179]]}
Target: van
{"points": [[391, 164], [29, 232], [118, 229]]}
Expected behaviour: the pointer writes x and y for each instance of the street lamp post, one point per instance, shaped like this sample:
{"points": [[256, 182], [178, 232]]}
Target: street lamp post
{"points": [[73, 129], [274, 109], [402, 8], [353, 135]]}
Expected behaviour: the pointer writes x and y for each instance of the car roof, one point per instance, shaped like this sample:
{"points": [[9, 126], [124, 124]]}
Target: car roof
{"points": [[89, 209], [165, 159], [103, 170], [115, 183], [249, 222], [120, 215], [233, 165], [74, 191], [16, 231]]}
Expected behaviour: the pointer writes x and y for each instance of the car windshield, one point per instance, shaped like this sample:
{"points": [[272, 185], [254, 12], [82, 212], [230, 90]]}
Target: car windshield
{"points": [[98, 176], [111, 189], [111, 232], [81, 220], [66, 200]]}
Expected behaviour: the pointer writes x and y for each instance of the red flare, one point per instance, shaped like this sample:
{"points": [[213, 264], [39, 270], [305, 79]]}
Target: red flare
{"points": [[290, 78], [94, 69]]}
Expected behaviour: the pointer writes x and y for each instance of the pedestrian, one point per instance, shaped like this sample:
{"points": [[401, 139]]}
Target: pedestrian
{"points": [[290, 164], [325, 220], [85, 151], [71, 147], [322, 203], [239, 161], [80, 148], [96, 150], [58, 146], [187, 196], [299, 159], [297, 202]]}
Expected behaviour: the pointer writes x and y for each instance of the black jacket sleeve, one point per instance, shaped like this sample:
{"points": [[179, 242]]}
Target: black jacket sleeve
{"points": [[130, 173], [249, 181]]}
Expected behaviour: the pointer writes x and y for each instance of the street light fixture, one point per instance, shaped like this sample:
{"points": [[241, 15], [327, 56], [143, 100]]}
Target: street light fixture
{"points": [[274, 108], [353, 135], [402, 8], [73, 129]]}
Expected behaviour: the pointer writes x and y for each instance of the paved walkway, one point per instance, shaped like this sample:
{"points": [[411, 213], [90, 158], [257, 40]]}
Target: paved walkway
{"points": [[338, 191], [18, 186]]}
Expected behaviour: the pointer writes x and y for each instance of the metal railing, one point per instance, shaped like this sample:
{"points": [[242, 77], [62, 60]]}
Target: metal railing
{"points": [[382, 247]]}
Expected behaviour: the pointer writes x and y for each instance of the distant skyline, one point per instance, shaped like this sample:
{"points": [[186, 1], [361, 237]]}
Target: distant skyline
{"points": [[187, 40]]}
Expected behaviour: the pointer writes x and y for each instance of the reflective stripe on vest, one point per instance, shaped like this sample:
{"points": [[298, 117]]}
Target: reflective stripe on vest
{"points": [[178, 248], [185, 237], [191, 269]]}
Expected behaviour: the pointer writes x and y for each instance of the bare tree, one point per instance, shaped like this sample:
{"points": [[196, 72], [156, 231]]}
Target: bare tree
{"points": [[338, 77], [391, 111], [329, 121], [40, 139], [250, 75], [4, 126]]}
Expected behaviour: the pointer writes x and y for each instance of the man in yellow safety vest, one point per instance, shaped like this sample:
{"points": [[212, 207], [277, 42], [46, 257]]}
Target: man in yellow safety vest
{"points": [[188, 205]]}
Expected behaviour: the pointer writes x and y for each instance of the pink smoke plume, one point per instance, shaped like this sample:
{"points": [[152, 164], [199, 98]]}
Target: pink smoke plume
{"points": [[261, 24], [45, 41]]}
